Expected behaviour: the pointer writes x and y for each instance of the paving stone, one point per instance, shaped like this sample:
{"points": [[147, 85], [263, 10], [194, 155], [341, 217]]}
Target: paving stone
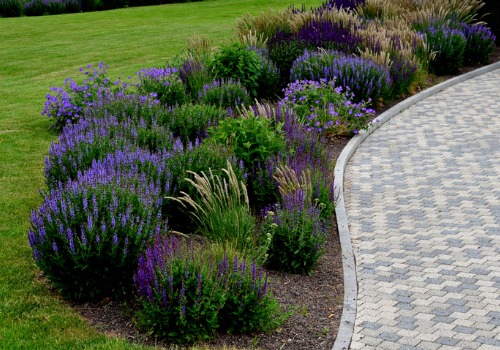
{"points": [[422, 200]]}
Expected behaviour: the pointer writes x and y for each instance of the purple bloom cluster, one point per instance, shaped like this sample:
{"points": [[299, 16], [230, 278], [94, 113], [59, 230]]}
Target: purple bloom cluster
{"points": [[69, 103], [332, 5], [224, 93], [92, 139], [323, 32], [480, 43], [365, 78]]}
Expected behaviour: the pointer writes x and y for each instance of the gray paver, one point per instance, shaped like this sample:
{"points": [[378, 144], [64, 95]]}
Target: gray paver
{"points": [[422, 198]]}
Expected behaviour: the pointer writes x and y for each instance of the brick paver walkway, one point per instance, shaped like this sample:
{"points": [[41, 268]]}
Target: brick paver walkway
{"points": [[422, 197]]}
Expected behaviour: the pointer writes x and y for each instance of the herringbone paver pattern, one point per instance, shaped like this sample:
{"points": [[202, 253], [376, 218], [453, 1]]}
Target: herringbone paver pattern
{"points": [[423, 203]]}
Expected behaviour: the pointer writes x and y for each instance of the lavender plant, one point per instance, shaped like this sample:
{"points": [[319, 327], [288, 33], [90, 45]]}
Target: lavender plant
{"points": [[480, 42], [297, 234], [366, 79], [269, 78], [326, 108], [180, 294], [324, 33], [86, 237], [224, 94], [187, 295], [448, 44], [165, 82], [92, 139], [67, 104]]}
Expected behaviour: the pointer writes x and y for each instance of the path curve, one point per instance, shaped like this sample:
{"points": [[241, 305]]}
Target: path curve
{"points": [[421, 203]]}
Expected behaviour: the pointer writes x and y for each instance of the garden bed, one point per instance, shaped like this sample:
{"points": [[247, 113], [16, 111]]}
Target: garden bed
{"points": [[317, 300]]}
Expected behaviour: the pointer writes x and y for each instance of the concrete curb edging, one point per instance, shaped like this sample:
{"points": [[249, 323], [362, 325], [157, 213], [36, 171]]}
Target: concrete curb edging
{"points": [[346, 328]]}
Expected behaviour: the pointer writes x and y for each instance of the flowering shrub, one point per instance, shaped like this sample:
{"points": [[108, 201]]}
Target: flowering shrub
{"points": [[365, 78], [86, 237], [314, 65], [186, 295], [92, 139], [322, 106], [145, 108], [69, 103], [449, 45], [11, 8], [480, 42], [222, 93], [322, 32], [165, 82], [297, 234], [237, 62]]}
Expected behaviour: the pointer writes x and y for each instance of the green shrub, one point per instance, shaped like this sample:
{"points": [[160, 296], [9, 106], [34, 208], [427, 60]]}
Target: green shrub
{"points": [[11, 8], [297, 234], [237, 62], [253, 139], [86, 237], [190, 122], [224, 94], [165, 82], [283, 51]]}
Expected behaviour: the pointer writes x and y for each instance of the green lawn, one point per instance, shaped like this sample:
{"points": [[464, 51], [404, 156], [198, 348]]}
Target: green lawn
{"points": [[35, 54]]}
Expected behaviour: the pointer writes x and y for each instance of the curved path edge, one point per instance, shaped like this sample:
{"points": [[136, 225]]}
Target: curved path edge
{"points": [[346, 327]]}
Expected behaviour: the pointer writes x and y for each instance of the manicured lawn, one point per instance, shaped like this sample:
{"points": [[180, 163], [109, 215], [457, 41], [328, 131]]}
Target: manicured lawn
{"points": [[35, 54]]}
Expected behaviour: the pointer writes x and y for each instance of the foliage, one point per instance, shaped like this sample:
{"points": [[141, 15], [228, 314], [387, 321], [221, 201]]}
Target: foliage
{"points": [[322, 106], [89, 140], [297, 234], [345, 4], [365, 79], [311, 65], [480, 42], [253, 139], [449, 45], [284, 48], [237, 62], [222, 211], [69, 103], [165, 82], [269, 78], [86, 237], [51, 7], [11, 8], [325, 33], [181, 294], [195, 74], [188, 292], [224, 94], [191, 121]]}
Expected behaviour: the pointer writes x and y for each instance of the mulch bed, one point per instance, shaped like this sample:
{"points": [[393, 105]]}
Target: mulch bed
{"points": [[316, 300]]}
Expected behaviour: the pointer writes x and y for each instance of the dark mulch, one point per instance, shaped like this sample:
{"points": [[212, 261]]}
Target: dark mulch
{"points": [[317, 299]]}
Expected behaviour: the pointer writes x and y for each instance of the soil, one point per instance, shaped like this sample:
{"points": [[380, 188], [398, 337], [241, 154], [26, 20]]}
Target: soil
{"points": [[316, 300]]}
